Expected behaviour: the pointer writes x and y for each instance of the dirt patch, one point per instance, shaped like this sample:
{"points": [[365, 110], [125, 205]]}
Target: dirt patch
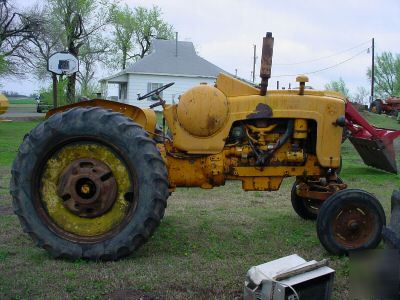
{"points": [[130, 294]]}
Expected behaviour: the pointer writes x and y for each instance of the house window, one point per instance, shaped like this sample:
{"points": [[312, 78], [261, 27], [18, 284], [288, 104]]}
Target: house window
{"points": [[151, 86]]}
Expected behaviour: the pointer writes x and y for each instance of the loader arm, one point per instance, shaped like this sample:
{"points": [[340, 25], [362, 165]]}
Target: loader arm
{"points": [[375, 145]]}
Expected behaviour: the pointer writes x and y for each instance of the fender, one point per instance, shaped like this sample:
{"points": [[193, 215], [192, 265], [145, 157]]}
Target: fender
{"points": [[144, 117]]}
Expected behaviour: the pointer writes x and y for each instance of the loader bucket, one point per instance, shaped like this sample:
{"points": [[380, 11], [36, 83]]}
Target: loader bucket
{"points": [[374, 144], [375, 153]]}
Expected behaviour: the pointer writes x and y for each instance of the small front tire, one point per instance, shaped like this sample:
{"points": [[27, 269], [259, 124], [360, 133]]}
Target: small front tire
{"points": [[350, 220]]}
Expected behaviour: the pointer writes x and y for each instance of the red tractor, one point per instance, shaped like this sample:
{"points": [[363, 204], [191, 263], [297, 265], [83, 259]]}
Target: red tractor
{"points": [[390, 106]]}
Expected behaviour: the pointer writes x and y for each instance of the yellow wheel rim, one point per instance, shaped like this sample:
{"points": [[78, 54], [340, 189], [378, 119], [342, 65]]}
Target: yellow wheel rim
{"points": [[53, 204], [373, 109]]}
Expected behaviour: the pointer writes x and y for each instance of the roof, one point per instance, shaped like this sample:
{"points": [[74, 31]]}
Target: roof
{"points": [[163, 60]]}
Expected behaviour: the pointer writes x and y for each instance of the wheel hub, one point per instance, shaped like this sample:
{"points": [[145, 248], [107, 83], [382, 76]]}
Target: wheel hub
{"points": [[353, 226], [87, 187]]}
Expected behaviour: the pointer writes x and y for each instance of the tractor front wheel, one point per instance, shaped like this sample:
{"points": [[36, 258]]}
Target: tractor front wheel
{"points": [[350, 220], [305, 208], [89, 183]]}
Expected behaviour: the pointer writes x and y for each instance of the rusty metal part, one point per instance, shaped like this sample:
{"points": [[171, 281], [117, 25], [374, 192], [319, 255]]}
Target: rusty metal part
{"points": [[266, 62], [353, 226], [375, 145], [87, 187], [375, 154], [318, 192], [69, 225], [302, 79]]}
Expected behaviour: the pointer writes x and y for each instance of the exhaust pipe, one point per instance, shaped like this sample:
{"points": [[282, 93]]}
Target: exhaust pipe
{"points": [[266, 62]]}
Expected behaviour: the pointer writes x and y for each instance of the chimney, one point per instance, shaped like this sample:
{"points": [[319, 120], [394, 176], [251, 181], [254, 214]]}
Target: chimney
{"points": [[176, 44]]}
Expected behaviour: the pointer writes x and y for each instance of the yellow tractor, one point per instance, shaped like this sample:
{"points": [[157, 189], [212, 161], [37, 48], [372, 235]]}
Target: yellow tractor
{"points": [[3, 104], [92, 180]]}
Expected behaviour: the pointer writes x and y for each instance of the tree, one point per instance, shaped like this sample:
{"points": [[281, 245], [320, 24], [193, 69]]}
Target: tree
{"points": [[42, 44], [338, 86], [134, 30], [45, 42], [15, 30], [123, 21], [362, 95], [387, 75], [81, 21], [90, 55]]}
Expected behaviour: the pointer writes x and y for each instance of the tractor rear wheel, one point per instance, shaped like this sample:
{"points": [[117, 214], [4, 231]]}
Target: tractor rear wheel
{"points": [[350, 220], [89, 183]]}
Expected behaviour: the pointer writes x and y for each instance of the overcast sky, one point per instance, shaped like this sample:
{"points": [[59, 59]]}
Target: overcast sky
{"points": [[224, 31]]}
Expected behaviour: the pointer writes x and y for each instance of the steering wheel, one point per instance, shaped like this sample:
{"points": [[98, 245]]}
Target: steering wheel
{"points": [[156, 91]]}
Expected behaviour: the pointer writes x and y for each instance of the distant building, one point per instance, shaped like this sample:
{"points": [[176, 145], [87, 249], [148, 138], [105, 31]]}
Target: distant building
{"points": [[168, 62]]}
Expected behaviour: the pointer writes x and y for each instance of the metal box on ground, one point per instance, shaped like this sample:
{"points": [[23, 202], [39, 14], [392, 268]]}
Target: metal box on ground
{"points": [[290, 277]]}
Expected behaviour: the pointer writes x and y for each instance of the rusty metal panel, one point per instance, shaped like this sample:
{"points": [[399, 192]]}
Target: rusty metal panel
{"points": [[375, 154]]}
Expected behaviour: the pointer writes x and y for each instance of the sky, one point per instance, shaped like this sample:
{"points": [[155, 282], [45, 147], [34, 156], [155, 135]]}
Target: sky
{"points": [[224, 32]]}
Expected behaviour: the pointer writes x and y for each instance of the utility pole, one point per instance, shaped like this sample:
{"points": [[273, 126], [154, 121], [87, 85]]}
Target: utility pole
{"points": [[176, 43], [254, 63], [372, 70]]}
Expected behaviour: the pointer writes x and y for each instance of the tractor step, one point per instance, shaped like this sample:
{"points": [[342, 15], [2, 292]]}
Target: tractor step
{"points": [[375, 154]]}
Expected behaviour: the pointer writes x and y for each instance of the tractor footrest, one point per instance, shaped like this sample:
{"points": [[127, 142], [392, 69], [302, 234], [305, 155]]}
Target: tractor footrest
{"points": [[375, 154]]}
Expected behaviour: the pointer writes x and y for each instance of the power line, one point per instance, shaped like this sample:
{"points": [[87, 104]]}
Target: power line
{"points": [[323, 57], [323, 69]]}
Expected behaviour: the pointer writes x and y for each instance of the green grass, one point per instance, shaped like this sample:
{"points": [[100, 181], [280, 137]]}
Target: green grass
{"points": [[11, 135], [202, 250], [17, 101], [383, 121]]}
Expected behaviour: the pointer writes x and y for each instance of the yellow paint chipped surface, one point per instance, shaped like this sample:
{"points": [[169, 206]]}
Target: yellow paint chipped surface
{"points": [[62, 216]]}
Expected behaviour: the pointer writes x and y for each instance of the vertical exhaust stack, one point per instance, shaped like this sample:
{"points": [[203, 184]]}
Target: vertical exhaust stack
{"points": [[266, 62]]}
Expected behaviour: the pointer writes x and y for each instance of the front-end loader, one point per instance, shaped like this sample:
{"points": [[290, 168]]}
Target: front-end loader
{"points": [[92, 180]]}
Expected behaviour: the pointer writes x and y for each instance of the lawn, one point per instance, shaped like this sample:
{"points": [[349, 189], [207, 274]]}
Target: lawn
{"points": [[203, 248], [20, 101]]}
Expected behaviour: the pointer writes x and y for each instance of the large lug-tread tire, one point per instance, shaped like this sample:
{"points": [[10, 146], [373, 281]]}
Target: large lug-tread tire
{"points": [[143, 162], [350, 220]]}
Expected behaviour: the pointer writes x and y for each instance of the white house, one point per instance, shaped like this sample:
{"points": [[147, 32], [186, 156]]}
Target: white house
{"points": [[169, 61]]}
